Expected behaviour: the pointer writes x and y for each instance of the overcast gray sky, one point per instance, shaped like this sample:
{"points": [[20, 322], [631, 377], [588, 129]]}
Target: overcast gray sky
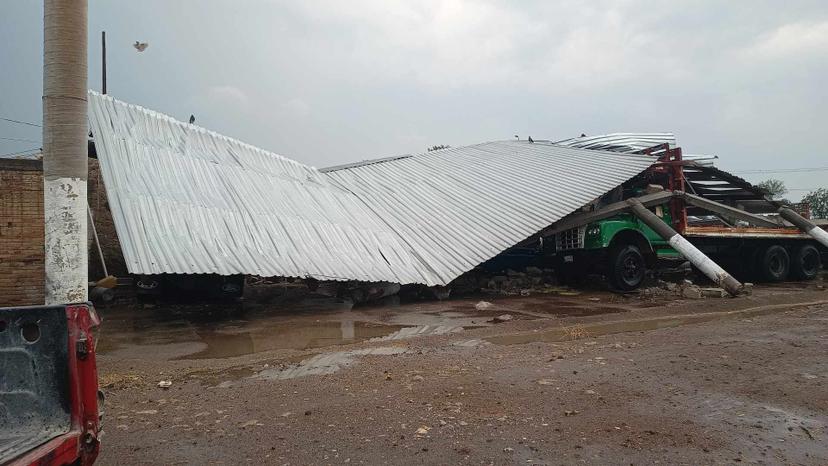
{"points": [[329, 82]]}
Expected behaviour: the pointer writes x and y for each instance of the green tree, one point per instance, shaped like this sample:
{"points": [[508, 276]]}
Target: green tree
{"points": [[818, 201], [773, 188]]}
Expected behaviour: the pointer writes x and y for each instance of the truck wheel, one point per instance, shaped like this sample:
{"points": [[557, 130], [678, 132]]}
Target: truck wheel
{"points": [[627, 267], [805, 263], [775, 264]]}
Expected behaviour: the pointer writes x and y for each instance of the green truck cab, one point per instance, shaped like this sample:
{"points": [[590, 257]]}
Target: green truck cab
{"points": [[620, 247]]}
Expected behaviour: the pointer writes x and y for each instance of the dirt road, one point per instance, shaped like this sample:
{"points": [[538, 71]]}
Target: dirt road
{"points": [[594, 378]]}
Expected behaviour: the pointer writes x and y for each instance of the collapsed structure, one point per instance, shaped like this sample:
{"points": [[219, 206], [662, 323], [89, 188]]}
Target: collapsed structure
{"points": [[186, 200]]}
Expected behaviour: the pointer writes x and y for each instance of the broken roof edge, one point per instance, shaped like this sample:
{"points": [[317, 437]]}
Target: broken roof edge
{"points": [[173, 120], [393, 158], [362, 163]]}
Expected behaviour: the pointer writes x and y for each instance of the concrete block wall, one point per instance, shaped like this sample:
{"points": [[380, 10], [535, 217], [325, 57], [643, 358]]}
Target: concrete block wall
{"points": [[21, 232]]}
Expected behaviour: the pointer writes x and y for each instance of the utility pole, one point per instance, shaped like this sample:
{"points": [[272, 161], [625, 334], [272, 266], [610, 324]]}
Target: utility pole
{"points": [[103, 62], [65, 149]]}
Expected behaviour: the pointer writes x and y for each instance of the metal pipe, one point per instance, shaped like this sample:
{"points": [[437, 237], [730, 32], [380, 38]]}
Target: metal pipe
{"points": [[692, 253], [64, 150], [805, 225], [97, 241]]}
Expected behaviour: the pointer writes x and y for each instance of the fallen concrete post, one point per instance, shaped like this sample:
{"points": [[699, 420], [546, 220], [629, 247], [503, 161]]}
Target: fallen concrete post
{"points": [[805, 225], [696, 257]]}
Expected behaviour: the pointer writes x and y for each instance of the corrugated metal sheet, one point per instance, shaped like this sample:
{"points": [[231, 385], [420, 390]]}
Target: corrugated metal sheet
{"points": [[633, 142], [459, 207], [620, 142], [187, 200]]}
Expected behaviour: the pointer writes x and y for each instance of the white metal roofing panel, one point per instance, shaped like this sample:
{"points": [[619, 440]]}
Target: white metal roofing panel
{"points": [[620, 142], [459, 207], [187, 200]]}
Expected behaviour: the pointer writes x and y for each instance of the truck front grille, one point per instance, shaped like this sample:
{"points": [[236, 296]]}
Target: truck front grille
{"points": [[570, 239]]}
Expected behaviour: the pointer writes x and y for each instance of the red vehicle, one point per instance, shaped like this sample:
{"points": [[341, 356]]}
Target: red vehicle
{"points": [[49, 398]]}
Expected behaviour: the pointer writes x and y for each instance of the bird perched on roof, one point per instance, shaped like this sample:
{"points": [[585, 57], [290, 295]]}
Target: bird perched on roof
{"points": [[192, 119], [140, 46], [530, 139]]}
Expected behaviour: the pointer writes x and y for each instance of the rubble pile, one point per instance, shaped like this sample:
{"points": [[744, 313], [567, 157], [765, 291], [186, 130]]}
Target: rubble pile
{"points": [[685, 289], [531, 280]]}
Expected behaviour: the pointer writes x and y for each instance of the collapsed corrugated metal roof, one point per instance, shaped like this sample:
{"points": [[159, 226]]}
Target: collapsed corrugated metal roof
{"points": [[458, 207], [620, 142], [187, 200], [630, 143]]}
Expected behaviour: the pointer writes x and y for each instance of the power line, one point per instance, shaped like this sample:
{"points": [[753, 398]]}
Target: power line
{"points": [[21, 122], [20, 139], [782, 170]]}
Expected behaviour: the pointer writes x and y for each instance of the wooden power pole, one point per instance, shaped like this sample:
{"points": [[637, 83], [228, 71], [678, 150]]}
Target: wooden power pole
{"points": [[64, 149]]}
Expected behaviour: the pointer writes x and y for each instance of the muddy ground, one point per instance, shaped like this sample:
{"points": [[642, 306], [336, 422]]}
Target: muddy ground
{"points": [[566, 378]]}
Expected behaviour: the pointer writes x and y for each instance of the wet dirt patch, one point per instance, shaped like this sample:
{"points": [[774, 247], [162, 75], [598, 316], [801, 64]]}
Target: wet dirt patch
{"points": [[576, 332]]}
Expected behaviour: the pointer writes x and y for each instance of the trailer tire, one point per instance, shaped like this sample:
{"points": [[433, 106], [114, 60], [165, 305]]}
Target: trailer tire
{"points": [[806, 263], [627, 267], [775, 264]]}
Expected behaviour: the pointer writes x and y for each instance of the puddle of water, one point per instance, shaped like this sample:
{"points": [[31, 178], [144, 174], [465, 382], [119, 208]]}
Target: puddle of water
{"points": [[326, 363], [287, 335]]}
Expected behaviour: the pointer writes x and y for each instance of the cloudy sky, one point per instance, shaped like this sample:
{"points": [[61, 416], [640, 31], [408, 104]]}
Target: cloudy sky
{"points": [[329, 82]]}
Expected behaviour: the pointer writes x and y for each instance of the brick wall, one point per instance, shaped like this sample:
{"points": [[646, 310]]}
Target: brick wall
{"points": [[21, 232]]}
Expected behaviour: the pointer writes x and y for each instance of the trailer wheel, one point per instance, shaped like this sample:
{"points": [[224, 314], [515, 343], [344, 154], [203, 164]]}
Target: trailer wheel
{"points": [[628, 267], [775, 264], [805, 263]]}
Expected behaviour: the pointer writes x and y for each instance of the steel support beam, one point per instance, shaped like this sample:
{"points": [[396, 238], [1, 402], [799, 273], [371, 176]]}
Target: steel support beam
{"points": [[726, 210], [605, 212]]}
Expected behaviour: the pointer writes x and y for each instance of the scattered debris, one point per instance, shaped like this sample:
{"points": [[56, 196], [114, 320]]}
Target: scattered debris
{"points": [[483, 305], [714, 293], [691, 292], [572, 412], [423, 430], [165, 384], [501, 318]]}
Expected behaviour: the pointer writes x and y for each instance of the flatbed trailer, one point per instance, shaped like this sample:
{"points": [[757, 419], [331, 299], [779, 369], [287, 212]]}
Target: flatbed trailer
{"points": [[651, 219]]}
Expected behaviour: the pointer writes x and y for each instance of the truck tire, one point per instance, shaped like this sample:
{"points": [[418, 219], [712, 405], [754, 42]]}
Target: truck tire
{"points": [[805, 263], [775, 264], [627, 267]]}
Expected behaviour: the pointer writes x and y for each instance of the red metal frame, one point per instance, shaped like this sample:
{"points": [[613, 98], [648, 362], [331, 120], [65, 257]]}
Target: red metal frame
{"points": [[80, 445], [670, 162]]}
